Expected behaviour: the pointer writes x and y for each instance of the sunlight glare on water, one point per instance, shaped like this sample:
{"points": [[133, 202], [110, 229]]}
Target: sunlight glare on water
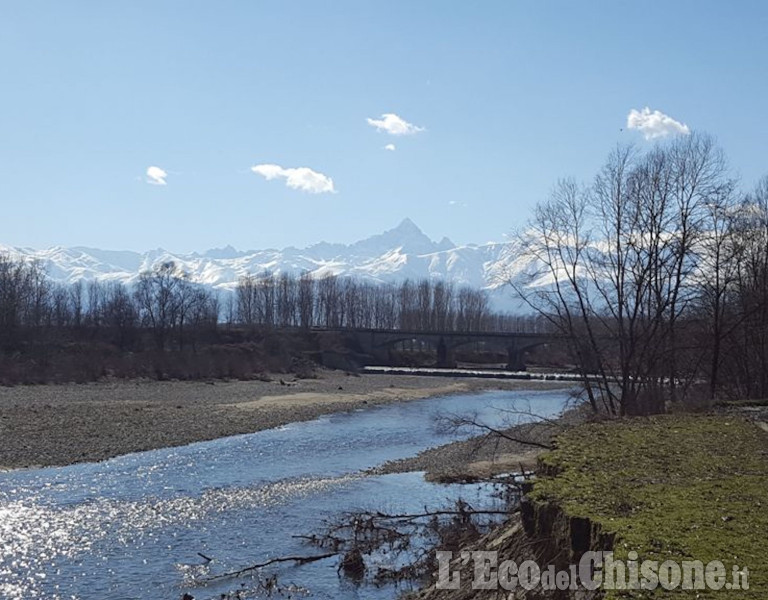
{"points": [[34, 537], [132, 527]]}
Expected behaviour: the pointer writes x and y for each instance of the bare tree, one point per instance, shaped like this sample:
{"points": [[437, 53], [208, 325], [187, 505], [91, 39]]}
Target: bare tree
{"points": [[156, 296], [748, 335], [120, 315], [245, 300], [613, 267], [306, 300]]}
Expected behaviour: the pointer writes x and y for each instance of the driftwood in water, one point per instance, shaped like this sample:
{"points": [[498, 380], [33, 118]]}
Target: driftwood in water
{"points": [[361, 534], [299, 560]]}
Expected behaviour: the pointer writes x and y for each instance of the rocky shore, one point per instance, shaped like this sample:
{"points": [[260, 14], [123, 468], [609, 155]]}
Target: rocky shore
{"points": [[49, 425], [485, 456]]}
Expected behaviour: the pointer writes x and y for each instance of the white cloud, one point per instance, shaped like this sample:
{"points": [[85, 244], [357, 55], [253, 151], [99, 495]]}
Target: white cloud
{"points": [[394, 125], [655, 124], [390, 147], [300, 178], [156, 176]]}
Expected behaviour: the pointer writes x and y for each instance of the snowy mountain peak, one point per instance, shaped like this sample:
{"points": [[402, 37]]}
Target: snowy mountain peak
{"points": [[403, 252], [226, 252], [406, 236], [408, 227]]}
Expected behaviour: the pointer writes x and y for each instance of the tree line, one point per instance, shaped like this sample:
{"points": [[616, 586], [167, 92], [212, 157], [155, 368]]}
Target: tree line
{"points": [[164, 301], [165, 309], [342, 302], [656, 272]]}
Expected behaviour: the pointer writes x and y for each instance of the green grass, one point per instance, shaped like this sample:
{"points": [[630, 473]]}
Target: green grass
{"points": [[670, 487]]}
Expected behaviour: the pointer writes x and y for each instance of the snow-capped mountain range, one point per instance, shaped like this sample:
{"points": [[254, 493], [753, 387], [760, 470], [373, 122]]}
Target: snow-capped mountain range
{"points": [[397, 254]]}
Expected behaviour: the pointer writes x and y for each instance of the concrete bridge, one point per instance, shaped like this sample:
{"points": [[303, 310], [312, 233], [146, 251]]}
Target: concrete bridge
{"points": [[379, 343]]}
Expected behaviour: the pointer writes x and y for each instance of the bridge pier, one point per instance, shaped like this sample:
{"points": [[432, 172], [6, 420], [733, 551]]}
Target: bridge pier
{"points": [[515, 359], [445, 355]]}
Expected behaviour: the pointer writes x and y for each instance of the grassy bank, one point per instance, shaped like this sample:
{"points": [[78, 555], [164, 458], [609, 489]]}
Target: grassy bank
{"points": [[669, 488]]}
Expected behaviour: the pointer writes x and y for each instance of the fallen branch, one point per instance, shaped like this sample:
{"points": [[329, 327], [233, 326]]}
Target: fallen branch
{"points": [[299, 560], [539, 419], [434, 513], [513, 433], [502, 434], [383, 526]]}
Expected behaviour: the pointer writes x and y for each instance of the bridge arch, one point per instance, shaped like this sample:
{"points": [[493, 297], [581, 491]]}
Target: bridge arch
{"points": [[379, 343]]}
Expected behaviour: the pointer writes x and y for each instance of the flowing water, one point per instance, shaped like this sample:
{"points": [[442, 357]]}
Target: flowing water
{"points": [[132, 527]]}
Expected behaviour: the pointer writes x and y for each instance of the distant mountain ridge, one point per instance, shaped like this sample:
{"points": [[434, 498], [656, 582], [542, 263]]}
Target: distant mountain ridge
{"points": [[394, 255]]}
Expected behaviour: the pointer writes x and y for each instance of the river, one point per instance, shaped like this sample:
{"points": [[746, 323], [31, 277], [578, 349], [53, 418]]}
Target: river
{"points": [[132, 527]]}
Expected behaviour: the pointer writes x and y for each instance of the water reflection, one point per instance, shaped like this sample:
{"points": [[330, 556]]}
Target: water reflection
{"points": [[132, 527]]}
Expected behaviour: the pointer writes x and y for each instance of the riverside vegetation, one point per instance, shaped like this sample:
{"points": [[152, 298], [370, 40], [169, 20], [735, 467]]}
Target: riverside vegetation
{"points": [[169, 327], [656, 274]]}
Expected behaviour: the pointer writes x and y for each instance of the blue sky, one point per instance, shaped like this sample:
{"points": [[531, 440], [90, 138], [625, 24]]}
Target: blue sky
{"points": [[508, 96]]}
